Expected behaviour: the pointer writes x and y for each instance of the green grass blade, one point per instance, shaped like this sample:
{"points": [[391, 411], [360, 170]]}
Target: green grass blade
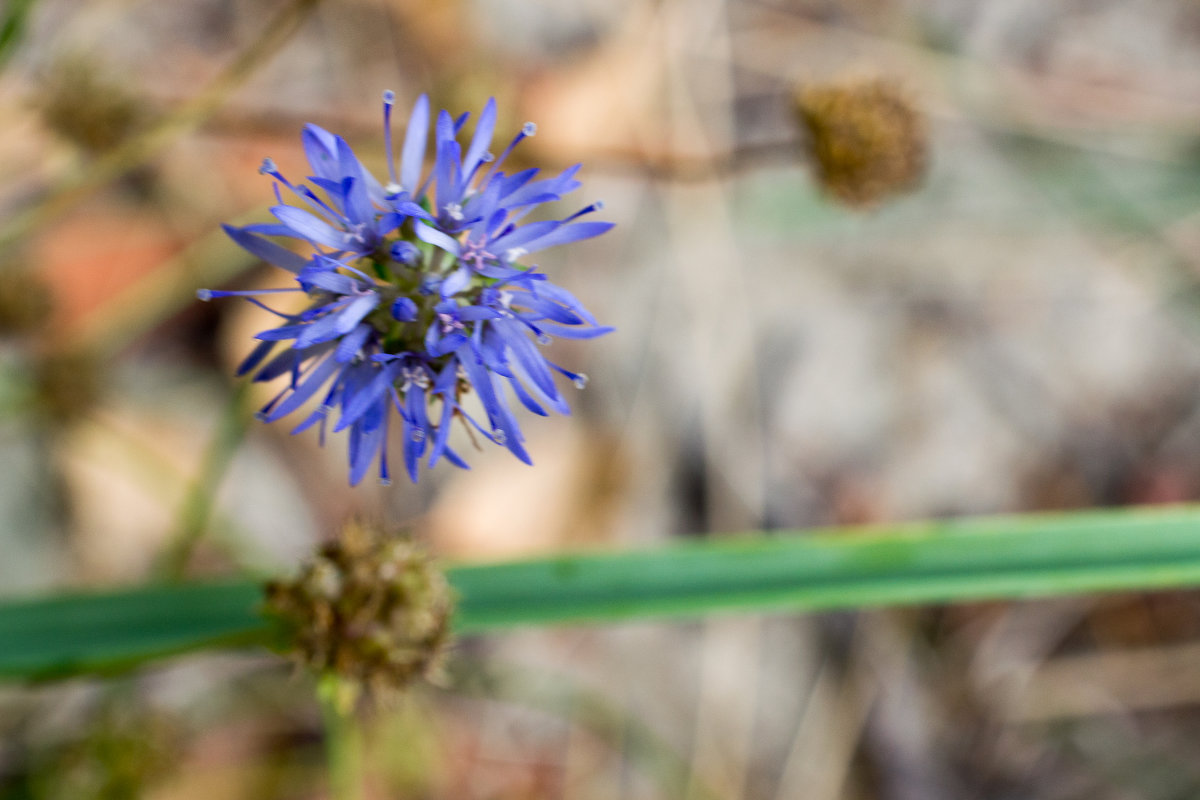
{"points": [[939, 562], [100, 632]]}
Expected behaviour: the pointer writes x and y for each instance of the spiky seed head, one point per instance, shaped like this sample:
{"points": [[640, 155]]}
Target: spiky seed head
{"points": [[866, 137], [370, 608]]}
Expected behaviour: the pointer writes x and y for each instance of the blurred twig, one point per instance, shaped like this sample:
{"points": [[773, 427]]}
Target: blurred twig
{"points": [[196, 510], [139, 149]]}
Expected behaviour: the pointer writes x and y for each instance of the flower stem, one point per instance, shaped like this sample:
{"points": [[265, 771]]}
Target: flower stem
{"points": [[343, 739]]}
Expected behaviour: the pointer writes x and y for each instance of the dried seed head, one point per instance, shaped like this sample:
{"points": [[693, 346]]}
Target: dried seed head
{"points": [[866, 136], [368, 608]]}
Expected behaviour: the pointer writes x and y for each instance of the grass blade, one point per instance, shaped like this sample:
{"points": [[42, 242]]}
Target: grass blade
{"points": [[936, 562]]}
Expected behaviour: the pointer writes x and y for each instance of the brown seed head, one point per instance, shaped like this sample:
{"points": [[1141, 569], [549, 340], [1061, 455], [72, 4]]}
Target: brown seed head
{"points": [[369, 608], [867, 138], [87, 107]]}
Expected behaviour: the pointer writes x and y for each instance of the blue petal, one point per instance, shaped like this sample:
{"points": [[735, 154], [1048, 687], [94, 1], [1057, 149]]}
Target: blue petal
{"points": [[352, 343], [321, 148], [306, 226], [456, 281], [329, 280], [255, 358], [313, 381], [524, 234], [568, 233], [267, 251], [366, 397], [358, 202], [413, 156], [436, 237], [483, 137]]}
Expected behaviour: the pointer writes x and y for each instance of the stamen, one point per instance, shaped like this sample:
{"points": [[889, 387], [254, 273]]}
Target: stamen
{"points": [[580, 381], [527, 130], [204, 294], [543, 339], [268, 167], [389, 98], [499, 436]]}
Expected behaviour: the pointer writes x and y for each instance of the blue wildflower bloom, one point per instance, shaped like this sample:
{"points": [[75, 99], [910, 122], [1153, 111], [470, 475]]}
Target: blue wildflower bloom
{"points": [[421, 309]]}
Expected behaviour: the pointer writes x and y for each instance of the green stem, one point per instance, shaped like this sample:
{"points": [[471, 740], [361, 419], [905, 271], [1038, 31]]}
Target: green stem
{"points": [[343, 739]]}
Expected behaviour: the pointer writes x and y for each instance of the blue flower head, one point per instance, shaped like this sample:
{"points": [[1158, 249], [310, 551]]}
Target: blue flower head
{"points": [[420, 297]]}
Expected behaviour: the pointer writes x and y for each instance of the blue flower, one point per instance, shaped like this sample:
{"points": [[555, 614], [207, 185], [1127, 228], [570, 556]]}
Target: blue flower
{"points": [[420, 301]]}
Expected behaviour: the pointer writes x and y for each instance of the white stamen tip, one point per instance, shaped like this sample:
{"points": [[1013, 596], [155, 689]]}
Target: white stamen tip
{"points": [[598, 205], [543, 339], [454, 211], [261, 416], [385, 481], [488, 157], [513, 253], [204, 294], [580, 381], [499, 436], [529, 129], [417, 435], [268, 167], [389, 97], [393, 188]]}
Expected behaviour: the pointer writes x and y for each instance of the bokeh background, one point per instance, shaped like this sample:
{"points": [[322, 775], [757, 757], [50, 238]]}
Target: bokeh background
{"points": [[1018, 331]]}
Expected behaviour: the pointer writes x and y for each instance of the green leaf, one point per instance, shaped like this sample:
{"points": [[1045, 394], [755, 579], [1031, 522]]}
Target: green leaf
{"points": [[937, 562]]}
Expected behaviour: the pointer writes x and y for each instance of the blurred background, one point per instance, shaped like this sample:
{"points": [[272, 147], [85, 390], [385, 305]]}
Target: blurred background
{"points": [[874, 260]]}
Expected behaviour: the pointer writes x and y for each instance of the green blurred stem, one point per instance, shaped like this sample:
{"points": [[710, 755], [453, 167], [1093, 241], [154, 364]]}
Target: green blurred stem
{"points": [[13, 26], [198, 504], [343, 739], [141, 148]]}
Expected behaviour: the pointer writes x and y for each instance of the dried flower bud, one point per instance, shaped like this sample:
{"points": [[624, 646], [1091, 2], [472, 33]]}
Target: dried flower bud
{"points": [[369, 608], [88, 108], [867, 138]]}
